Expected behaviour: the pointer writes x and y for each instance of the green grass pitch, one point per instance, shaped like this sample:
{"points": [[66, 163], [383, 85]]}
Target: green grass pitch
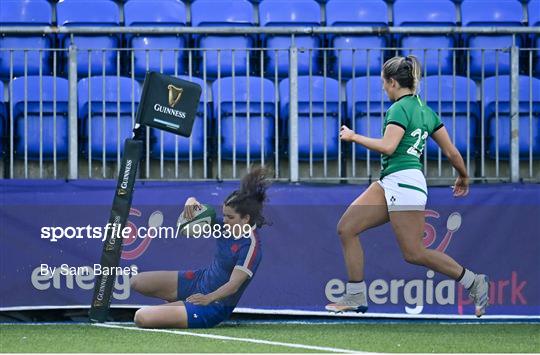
{"points": [[372, 337]]}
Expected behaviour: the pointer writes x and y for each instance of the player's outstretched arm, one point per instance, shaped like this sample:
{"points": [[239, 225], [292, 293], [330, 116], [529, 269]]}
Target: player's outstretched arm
{"points": [[441, 137], [238, 277], [385, 145]]}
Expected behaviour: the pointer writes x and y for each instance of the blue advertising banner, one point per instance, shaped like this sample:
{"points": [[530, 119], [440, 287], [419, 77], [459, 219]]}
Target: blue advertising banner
{"points": [[51, 238]]}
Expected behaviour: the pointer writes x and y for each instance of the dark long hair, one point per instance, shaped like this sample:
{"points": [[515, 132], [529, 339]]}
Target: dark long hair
{"points": [[249, 199]]}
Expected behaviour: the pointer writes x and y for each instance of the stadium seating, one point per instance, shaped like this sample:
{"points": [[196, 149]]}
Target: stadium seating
{"points": [[426, 47], [36, 95], [106, 113], [534, 20], [366, 60], [25, 13], [223, 13], [357, 13], [450, 100], [490, 13], [154, 52], [290, 13], [234, 130], [95, 51], [501, 86], [366, 105], [198, 135], [324, 119]]}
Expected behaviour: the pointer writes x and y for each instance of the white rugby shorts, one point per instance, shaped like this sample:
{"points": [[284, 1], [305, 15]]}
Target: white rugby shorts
{"points": [[405, 190]]}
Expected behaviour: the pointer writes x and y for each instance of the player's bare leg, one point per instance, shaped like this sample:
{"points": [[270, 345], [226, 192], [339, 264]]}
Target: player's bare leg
{"points": [[159, 284], [409, 229], [367, 211], [171, 315]]}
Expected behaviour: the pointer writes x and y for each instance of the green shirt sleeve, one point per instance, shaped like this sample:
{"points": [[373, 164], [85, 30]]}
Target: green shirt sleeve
{"points": [[437, 123], [398, 117]]}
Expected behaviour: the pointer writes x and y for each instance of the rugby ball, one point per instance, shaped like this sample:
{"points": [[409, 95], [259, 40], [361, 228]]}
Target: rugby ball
{"points": [[205, 215]]}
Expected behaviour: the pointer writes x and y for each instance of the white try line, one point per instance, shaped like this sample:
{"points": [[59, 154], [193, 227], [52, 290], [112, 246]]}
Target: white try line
{"points": [[297, 312], [245, 340]]}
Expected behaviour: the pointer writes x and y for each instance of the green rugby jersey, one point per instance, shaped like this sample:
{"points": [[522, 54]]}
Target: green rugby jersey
{"points": [[419, 121]]}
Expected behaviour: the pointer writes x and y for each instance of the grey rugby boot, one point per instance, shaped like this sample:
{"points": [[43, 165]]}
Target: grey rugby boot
{"points": [[479, 294], [349, 303]]}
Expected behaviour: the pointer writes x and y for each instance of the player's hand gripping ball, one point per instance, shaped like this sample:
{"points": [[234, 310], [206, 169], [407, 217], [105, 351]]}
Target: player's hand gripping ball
{"points": [[192, 220]]}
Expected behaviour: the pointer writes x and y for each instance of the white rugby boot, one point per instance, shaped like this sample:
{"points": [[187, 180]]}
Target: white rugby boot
{"points": [[349, 303], [479, 294]]}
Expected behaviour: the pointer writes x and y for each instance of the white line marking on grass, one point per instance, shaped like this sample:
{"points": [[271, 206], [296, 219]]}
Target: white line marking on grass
{"points": [[245, 340], [44, 323]]}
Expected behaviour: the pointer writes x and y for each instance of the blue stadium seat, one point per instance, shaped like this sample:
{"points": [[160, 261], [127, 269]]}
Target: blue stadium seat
{"points": [[320, 124], [534, 12], [223, 13], [357, 13], [34, 92], [103, 114], [154, 52], [25, 13], [534, 20], [450, 100], [490, 13], [426, 47], [490, 103], [198, 135], [259, 142], [366, 104], [284, 13], [259, 1], [91, 13], [2, 117], [2, 105]]}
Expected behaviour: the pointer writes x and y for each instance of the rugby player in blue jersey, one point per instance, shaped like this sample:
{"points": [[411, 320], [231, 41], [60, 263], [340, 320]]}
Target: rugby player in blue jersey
{"points": [[205, 297]]}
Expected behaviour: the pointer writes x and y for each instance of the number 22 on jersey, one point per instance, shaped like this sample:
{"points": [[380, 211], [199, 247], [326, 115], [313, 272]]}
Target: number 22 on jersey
{"points": [[418, 146]]}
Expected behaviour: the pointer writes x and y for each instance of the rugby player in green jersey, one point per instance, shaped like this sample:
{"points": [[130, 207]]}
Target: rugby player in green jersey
{"points": [[400, 196]]}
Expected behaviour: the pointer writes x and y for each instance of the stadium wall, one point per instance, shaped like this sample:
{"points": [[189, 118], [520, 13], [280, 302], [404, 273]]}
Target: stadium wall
{"points": [[494, 231]]}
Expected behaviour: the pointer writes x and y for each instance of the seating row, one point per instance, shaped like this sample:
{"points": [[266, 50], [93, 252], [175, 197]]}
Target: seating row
{"points": [[97, 52], [106, 107]]}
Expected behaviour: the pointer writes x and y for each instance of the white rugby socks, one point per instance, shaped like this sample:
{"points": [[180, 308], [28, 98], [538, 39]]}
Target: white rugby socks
{"points": [[353, 288], [466, 278]]}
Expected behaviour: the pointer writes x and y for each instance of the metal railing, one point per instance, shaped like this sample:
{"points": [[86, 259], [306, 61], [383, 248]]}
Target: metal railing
{"points": [[289, 157]]}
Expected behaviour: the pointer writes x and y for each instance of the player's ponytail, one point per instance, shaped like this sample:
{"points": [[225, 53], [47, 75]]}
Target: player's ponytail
{"points": [[255, 184], [249, 199], [416, 71], [405, 70]]}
